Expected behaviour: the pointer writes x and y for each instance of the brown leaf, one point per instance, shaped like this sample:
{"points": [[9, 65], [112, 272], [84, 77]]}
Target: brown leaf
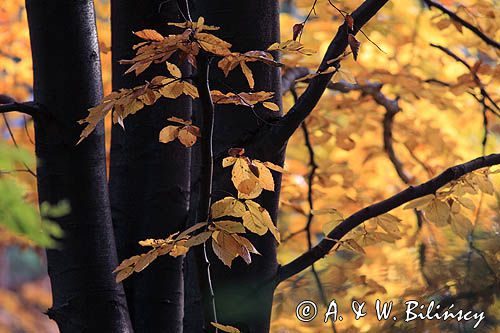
{"points": [[169, 133], [149, 34], [354, 44], [297, 29], [187, 138], [234, 152], [350, 21], [198, 239]]}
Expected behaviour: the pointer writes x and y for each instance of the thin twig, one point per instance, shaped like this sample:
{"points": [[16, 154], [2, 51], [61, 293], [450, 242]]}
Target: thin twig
{"points": [[463, 22], [14, 141], [472, 71], [206, 172], [310, 200]]}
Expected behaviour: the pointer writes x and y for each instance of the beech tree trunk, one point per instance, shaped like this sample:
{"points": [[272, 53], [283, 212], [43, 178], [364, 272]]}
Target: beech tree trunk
{"points": [[244, 293], [67, 81], [149, 180]]}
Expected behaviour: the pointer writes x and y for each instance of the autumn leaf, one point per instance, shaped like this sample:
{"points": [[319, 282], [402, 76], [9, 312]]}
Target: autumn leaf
{"points": [[225, 328], [228, 206], [389, 223], [343, 75], [437, 212], [354, 44], [230, 226], [297, 30], [271, 106], [350, 21], [198, 239], [290, 46], [149, 34], [169, 133]]}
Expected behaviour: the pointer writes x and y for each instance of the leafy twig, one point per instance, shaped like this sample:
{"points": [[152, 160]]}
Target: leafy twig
{"points": [[411, 193], [463, 22]]}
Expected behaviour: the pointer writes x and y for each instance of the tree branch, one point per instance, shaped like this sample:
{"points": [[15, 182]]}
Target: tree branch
{"points": [[471, 70], [466, 24], [29, 108], [278, 134], [382, 207]]}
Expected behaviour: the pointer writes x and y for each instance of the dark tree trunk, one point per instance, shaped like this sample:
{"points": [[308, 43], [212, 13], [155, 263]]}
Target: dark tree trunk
{"points": [[149, 180], [67, 81], [244, 293]]}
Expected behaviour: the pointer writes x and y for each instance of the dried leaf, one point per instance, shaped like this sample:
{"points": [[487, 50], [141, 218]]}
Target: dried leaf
{"points": [[169, 133], [354, 44]]}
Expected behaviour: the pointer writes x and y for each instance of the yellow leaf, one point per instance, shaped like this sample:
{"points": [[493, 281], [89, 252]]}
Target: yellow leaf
{"points": [[123, 274], [389, 223], [190, 90], [223, 254], [172, 89], [438, 212], [329, 226], [169, 133], [179, 120], [265, 177], [149, 34], [343, 75], [253, 218], [466, 202], [249, 188], [271, 106], [353, 245], [213, 44], [228, 161], [179, 249], [145, 260], [331, 211], [420, 203], [186, 137], [246, 243], [248, 74], [226, 328], [230, 226], [198, 239], [126, 263], [228, 206], [461, 225], [390, 238], [274, 167], [174, 70]]}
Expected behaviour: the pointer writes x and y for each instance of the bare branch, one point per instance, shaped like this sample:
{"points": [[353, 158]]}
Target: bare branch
{"points": [[463, 22], [472, 71], [29, 108], [277, 136], [382, 207]]}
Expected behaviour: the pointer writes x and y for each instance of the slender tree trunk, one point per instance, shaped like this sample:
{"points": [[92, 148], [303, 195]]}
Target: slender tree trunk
{"points": [[244, 293], [67, 81], [149, 180]]}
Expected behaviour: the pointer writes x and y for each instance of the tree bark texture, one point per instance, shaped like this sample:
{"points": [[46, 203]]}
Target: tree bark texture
{"points": [[67, 82], [149, 180]]}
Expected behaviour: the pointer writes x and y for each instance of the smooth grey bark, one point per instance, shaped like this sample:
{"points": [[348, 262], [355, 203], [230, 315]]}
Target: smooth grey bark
{"points": [[67, 82]]}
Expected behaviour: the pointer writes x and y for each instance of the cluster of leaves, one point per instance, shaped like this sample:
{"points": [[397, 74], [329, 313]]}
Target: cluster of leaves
{"points": [[158, 49], [446, 206], [249, 177]]}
